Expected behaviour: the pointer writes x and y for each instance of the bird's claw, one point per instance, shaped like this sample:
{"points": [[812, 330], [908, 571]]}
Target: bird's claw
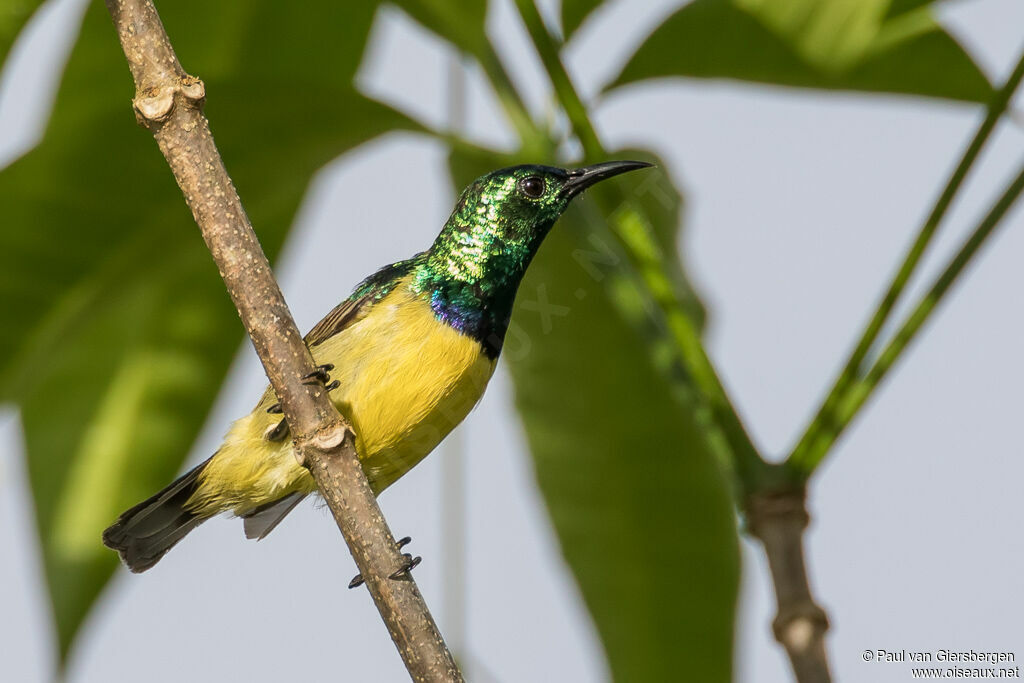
{"points": [[319, 374], [408, 564], [278, 433]]}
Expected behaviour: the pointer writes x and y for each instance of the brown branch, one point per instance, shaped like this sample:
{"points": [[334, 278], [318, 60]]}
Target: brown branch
{"points": [[169, 102], [778, 520]]}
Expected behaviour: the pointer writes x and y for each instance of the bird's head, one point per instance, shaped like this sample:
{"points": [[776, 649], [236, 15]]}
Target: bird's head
{"points": [[501, 219], [473, 269]]}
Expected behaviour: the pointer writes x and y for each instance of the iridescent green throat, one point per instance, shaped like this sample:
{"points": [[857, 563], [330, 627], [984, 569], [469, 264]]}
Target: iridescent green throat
{"points": [[474, 268]]}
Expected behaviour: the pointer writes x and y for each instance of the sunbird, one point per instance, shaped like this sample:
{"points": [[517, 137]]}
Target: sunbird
{"points": [[405, 358]]}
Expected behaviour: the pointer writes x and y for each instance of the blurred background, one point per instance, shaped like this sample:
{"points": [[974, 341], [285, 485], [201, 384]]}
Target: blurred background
{"points": [[798, 205]]}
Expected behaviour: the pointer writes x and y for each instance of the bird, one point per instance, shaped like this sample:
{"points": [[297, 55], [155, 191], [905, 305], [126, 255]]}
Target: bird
{"points": [[404, 358]]}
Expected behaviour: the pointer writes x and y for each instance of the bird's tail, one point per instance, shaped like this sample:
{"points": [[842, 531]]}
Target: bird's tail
{"points": [[145, 532]]}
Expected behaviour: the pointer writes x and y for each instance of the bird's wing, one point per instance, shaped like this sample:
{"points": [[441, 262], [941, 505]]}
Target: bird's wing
{"points": [[369, 291], [340, 317], [357, 306]]}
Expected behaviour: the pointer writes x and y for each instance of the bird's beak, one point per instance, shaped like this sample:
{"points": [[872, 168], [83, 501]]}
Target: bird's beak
{"points": [[582, 178]]}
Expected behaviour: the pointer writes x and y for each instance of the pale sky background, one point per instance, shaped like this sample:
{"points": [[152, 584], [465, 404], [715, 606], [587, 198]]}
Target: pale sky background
{"points": [[799, 207]]}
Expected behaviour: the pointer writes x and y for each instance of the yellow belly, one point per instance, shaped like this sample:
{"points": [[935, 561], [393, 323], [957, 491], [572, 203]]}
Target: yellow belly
{"points": [[406, 381]]}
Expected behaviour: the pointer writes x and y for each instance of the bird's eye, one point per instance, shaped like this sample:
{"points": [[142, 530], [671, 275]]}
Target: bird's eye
{"points": [[532, 187]]}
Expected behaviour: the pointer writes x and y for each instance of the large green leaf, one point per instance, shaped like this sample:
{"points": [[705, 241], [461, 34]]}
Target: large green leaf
{"points": [[898, 7], [832, 44], [641, 510], [462, 23], [116, 330], [128, 411], [13, 16], [574, 13]]}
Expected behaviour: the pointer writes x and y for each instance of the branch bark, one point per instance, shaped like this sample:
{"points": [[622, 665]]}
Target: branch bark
{"points": [[169, 102], [778, 520]]}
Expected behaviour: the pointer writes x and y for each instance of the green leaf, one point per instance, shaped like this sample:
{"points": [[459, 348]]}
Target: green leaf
{"points": [[642, 511], [116, 330], [898, 7], [462, 23], [831, 44], [574, 13], [128, 411], [14, 14]]}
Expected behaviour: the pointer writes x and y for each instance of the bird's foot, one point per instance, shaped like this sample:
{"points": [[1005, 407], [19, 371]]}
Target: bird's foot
{"points": [[277, 433], [407, 566], [319, 374], [408, 563]]}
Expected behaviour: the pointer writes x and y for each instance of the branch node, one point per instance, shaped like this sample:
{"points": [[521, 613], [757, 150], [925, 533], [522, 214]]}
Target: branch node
{"points": [[331, 436], [797, 625], [778, 518], [776, 507], [155, 105], [328, 439]]}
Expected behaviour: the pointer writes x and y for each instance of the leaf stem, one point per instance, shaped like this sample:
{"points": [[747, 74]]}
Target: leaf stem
{"points": [[768, 493], [534, 141], [859, 391], [569, 98], [169, 103], [633, 230], [827, 418]]}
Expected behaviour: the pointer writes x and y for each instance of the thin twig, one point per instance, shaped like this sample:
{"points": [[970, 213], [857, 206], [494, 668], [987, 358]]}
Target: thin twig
{"points": [[533, 140], [644, 253], [778, 520], [548, 50], [805, 454], [169, 103]]}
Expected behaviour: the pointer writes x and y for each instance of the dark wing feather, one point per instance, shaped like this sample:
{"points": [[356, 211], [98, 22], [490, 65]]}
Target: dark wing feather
{"points": [[265, 518], [340, 317]]}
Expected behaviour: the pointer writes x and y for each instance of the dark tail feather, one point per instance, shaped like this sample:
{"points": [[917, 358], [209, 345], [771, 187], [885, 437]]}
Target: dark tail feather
{"points": [[144, 533]]}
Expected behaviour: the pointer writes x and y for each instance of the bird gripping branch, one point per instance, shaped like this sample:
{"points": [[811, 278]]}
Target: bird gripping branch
{"points": [[405, 358]]}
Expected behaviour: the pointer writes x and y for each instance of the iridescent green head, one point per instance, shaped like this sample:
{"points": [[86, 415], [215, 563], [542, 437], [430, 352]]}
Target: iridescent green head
{"points": [[475, 265]]}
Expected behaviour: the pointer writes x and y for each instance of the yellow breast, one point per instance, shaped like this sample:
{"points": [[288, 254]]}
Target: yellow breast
{"points": [[406, 381]]}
